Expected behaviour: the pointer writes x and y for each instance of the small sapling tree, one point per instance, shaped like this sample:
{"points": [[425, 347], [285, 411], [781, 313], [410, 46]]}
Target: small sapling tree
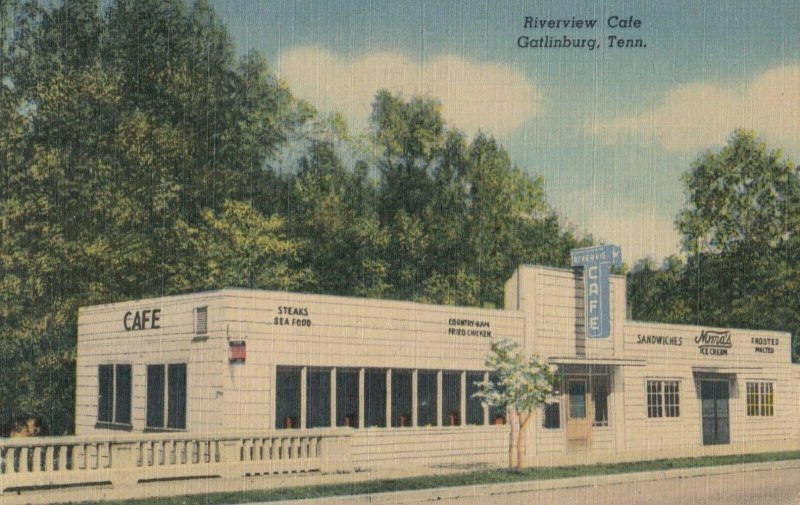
{"points": [[520, 384]]}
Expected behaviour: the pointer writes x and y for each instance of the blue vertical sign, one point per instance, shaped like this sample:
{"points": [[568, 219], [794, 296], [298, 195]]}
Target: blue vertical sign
{"points": [[596, 263]]}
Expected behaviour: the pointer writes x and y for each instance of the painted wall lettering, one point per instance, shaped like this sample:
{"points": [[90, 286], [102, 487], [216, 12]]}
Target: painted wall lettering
{"points": [[659, 340], [714, 343], [764, 345], [468, 328], [147, 319], [284, 319]]}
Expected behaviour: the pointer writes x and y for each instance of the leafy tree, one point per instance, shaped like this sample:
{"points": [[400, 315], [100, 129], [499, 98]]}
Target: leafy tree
{"points": [[334, 209], [242, 247], [520, 384], [121, 135], [744, 196], [740, 232]]}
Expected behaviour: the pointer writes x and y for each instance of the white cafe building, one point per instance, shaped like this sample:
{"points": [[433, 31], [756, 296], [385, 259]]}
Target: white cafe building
{"points": [[400, 376]]}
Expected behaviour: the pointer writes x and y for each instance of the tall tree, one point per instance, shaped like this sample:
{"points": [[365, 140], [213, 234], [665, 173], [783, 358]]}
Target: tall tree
{"points": [[740, 232], [121, 134]]}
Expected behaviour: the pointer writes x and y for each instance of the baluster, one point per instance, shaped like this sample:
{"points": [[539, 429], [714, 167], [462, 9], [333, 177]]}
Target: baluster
{"points": [[106, 451], [62, 458], [248, 450], [36, 465], [148, 459], [259, 449], [80, 457], [9, 460], [49, 456], [23, 460], [312, 447]]}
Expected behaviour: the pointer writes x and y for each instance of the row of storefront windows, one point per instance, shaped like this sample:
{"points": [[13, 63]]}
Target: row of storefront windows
{"points": [[663, 399], [385, 392], [165, 402]]}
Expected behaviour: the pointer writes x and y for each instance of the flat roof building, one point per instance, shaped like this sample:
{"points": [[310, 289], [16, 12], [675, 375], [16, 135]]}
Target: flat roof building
{"points": [[401, 375]]}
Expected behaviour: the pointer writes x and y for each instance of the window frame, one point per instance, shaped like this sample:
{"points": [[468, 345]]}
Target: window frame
{"points": [[167, 398], [114, 422], [661, 402], [760, 398]]}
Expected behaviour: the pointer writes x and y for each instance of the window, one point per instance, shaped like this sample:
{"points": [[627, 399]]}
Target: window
{"points": [[599, 389], [426, 398], [760, 399], [166, 396], [552, 415], [401, 398], [552, 408], [663, 398], [497, 415], [318, 398], [374, 397], [451, 399], [474, 405], [347, 397], [287, 398], [114, 394], [201, 320]]}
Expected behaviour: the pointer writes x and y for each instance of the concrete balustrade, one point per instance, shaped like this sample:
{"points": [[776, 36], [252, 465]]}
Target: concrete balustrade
{"points": [[128, 460]]}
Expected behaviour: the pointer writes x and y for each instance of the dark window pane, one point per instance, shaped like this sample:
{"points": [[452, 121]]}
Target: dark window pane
{"points": [[122, 411], [347, 397], [552, 415], [318, 398], [577, 399], [155, 396], [401, 398], [426, 398], [287, 398], [375, 398], [474, 407], [600, 398], [105, 399], [497, 415], [451, 399], [176, 415]]}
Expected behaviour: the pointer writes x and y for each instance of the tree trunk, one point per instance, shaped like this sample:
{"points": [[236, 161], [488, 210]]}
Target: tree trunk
{"points": [[523, 425], [510, 438]]}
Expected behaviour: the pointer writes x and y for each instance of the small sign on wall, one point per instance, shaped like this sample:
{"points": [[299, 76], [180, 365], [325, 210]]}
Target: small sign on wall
{"points": [[237, 351]]}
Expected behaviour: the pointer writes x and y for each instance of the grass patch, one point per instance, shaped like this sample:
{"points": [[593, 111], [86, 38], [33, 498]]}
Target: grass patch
{"points": [[452, 480]]}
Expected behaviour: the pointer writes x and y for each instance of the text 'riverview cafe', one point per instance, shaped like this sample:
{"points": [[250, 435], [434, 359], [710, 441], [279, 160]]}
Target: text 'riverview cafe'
{"points": [[399, 377]]}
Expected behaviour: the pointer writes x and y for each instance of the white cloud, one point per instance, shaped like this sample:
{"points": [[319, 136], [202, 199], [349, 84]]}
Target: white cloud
{"points": [[474, 95], [640, 230], [699, 115], [638, 234]]}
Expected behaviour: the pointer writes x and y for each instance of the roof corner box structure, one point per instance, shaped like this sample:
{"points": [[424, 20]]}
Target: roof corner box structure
{"points": [[397, 378]]}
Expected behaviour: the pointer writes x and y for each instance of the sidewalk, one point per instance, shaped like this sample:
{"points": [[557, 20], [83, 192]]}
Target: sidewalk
{"points": [[486, 490]]}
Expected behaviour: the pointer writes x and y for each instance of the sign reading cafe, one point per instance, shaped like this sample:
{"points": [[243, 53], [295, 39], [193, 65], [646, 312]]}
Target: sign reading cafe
{"points": [[596, 263]]}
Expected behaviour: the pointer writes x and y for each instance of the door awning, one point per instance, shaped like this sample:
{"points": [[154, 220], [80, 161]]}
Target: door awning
{"points": [[571, 360], [727, 370]]}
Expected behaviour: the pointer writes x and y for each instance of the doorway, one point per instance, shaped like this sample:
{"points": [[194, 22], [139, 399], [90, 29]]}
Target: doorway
{"points": [[714, 395], [579, 413]]}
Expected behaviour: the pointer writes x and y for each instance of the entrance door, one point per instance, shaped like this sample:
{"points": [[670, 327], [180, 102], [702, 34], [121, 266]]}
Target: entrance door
{"points": [[578, 413], [714, 397]]}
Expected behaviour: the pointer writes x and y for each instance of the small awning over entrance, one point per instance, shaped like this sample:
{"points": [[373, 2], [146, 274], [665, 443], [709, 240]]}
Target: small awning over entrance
{"points": [[595, 361], [725, 371]]}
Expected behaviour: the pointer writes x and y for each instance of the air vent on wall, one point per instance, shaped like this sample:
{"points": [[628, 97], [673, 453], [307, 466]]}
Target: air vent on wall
{"points": [[201, 320]]}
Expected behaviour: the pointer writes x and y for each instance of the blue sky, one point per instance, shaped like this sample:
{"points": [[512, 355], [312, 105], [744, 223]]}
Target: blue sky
{"points": [[611, 130]]}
